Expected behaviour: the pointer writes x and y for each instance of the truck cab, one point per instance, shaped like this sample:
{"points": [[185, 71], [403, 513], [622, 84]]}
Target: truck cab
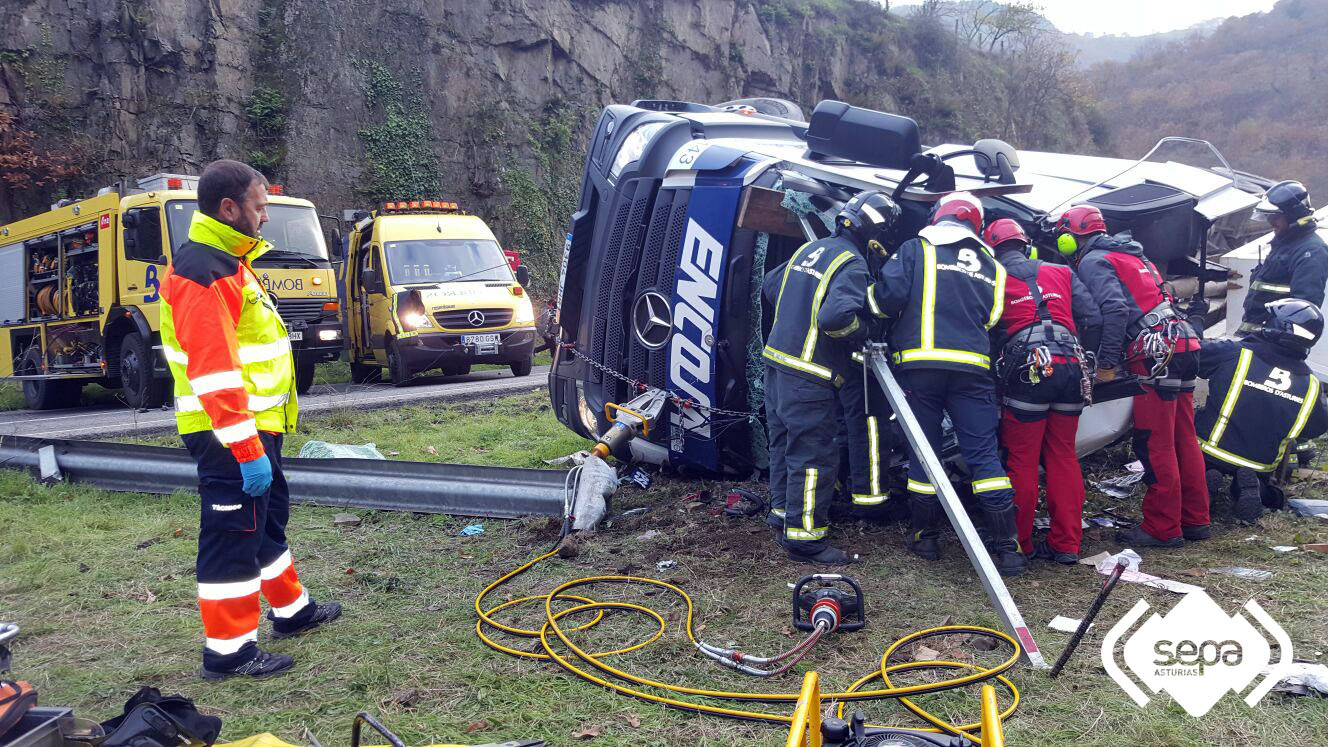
{"points": [[429, 287], [79, 290], [685, 206]]}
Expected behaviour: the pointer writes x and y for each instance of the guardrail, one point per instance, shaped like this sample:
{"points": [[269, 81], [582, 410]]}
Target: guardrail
{"points": [[424, 487]]}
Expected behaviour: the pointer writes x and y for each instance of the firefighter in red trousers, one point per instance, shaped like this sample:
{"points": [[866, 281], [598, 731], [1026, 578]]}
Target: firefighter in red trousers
{"points": [[1142, 330], [230, 356], [1040, 375]]}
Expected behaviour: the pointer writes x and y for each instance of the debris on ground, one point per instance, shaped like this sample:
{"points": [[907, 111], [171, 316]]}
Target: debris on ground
{"points": [[1105, 563], [596, 484], [666, 565], [639, 477], [1302, 678], [1062, 624], [325, 450], [649, 535], [1101, 521], [1044, 522], [472, 530], [1284, 548], [740, 503], [1122, 486], [1313, 508], [346, 520], [574, 459], [1319, 548], [636, 511], [1241, 572]]}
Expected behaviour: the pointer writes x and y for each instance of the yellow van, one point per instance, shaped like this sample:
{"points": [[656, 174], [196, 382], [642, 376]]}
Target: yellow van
{"points": [[428, 287]]}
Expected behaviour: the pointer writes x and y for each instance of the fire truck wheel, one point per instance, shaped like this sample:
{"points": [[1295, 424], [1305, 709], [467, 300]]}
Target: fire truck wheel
{"points": [[45, 394], [522, 367], [304, 376], [142, 391]]}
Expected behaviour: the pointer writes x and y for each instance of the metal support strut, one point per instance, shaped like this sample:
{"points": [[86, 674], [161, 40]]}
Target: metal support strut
{"points": [[963, 526]]}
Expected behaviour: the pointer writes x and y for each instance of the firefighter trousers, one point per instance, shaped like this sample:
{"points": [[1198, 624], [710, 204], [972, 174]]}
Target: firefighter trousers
{"points": [[970, 401], [1038, 427], [804, 459], [242, 553], [866, 415], [1166, 443]]}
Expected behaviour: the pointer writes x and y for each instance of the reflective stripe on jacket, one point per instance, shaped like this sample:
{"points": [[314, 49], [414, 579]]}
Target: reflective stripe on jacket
{"points": [[224, 341], [1259, 400], [945, 299], [819, 297]]}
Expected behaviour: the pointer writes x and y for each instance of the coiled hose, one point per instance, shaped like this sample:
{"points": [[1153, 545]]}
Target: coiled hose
{"points": [[590, 666]]}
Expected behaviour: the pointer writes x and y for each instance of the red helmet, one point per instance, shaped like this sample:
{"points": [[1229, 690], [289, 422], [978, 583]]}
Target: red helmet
{"points": [[962, 208], [1082, 220], [1003, 230]]}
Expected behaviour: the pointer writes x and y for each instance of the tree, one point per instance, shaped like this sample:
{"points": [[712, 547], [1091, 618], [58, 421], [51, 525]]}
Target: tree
{"points": [[23, 166], [989, 25]]}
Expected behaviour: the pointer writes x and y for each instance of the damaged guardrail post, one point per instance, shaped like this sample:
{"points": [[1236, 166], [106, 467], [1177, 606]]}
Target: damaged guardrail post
{"points": [[954, 509]]}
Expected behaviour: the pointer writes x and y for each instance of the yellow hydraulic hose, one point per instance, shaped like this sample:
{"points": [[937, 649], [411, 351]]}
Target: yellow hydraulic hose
{"points": [[590, 665]]}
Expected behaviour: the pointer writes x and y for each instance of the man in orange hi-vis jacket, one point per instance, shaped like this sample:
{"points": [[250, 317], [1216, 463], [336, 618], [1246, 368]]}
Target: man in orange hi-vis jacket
{"points": [[230, 357]]}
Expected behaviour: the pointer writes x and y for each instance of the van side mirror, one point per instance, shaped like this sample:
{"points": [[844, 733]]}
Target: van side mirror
{"points": [[370, 281], [523, 276], [996, 159], [129, 219]]}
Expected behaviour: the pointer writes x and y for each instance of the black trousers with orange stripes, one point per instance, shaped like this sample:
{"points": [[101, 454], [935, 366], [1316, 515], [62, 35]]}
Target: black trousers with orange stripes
{"points": [[242, 553]]}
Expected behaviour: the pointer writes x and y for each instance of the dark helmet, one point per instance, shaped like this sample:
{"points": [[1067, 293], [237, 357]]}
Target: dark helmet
{"points": [[868, 217], [1290, 198], [1292, 323], [1006, 229]]}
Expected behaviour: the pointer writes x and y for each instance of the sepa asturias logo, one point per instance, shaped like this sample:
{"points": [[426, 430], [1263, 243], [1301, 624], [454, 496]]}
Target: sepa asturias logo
{"points": [[1197, 653]]}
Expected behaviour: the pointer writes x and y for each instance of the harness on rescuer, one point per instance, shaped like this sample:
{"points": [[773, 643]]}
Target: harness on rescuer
{"points": [[1158, 332]]}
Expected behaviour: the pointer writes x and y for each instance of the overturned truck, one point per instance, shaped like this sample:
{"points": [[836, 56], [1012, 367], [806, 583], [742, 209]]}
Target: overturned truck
{"points": [[685, 206]]}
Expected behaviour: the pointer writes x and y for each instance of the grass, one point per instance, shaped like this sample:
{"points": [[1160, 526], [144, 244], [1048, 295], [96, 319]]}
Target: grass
{"points": [[101, 584]]}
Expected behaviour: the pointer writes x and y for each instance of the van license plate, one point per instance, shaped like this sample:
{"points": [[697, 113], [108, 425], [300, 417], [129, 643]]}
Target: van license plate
{"points": [[296, 336], [479, 339]]}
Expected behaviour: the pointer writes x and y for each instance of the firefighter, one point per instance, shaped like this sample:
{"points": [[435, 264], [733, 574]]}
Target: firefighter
{"points": [[865, 414], [230, 357], [1261, 397], [1142, 331], [1297, 263], [820, 301], [944, 291], [1049, 320]]}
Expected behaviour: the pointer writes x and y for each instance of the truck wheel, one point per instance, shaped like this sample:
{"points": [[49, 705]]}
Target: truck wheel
{"points": [[304, 376], [142, 391], [522, 367], [396, 365], [45, 394], [365, 373], [458, 369]]}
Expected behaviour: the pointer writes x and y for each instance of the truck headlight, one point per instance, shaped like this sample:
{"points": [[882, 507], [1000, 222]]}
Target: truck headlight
{"points": [[327, 335], [633, 147], [415, 320], [588, 419], [525, 314]]}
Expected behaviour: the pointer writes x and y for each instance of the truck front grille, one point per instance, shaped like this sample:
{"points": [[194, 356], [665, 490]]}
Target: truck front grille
{"points": [[306, 310], [461, 318]]}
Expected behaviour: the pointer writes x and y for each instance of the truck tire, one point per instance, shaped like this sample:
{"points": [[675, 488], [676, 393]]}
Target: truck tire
{"points": [[396, 365], [46, 394], [365, 373], [522, 367], [142, 390], [304, 376]]}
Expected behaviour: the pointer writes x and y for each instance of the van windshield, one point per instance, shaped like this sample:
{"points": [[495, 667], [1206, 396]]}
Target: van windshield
{"points": [[291, 229], [446, 261]]}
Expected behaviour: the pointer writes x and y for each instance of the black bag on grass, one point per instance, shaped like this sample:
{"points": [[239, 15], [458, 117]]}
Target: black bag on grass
{"points": [[151, 720]]}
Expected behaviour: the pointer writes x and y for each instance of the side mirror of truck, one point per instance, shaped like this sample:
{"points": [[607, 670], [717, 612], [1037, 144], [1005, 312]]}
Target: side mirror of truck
{"points": [[523, 276], [370, 281], [129, 219]]}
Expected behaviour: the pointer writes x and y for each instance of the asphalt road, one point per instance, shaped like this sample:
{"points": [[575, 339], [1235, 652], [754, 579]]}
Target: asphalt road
{"points": [[118, 420]]}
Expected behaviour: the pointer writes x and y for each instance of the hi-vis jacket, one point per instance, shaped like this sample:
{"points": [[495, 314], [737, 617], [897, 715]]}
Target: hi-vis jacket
{"points": [[1296, 267], [227, 348], [1259, 400], [946, 291], [819, 295]]}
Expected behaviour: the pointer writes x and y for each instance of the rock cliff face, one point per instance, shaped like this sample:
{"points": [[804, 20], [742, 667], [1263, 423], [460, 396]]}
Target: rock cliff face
{"points": [[483, 101]]}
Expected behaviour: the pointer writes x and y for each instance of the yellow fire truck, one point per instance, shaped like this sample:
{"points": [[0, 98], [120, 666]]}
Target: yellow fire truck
{"points": [[79, 290], [427, 286]]}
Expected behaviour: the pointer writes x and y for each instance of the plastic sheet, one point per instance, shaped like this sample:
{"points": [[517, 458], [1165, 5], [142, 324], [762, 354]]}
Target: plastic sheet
{"points": [[325, 450]]}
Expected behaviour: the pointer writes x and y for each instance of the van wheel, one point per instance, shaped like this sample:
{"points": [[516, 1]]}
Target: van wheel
{"points": [[142, 391], [522, 367], [365, 373], [45, 394], [304, 376], [396, 365]]}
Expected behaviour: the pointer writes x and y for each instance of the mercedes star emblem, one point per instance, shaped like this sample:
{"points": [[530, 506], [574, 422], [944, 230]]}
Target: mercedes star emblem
{"points": [[652, 320], [476, 318]]}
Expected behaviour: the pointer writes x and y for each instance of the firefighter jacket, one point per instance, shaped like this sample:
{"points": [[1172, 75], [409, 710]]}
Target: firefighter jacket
{"points": [[226, 346], [1261, 397], [1296, 267], [1065, 300], [945, 292], [1128, 289], [819, 297]]}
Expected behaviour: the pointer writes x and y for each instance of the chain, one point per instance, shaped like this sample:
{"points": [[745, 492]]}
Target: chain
{"points": [[640, 386]]}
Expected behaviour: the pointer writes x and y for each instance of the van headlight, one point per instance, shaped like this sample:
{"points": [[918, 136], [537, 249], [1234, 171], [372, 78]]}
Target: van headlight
{"points": [[633, 147], [415, 320], [525, 314]]}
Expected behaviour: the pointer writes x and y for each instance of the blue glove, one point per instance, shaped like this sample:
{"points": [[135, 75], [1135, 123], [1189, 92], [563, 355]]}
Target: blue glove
{"points": [[257, 476]]}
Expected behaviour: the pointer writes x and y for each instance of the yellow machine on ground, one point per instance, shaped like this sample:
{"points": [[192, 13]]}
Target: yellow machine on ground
{"points": [[79, 290], [428, 287]]}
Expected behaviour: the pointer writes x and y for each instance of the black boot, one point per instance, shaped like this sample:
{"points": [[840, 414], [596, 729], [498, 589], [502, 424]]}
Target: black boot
{"points": [[817, 552], [1249, 501], [926, 518], [1003, 542]]}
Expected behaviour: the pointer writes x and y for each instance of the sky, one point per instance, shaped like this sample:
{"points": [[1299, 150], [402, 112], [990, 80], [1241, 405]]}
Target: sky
{"points": [[1135, 17]]}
